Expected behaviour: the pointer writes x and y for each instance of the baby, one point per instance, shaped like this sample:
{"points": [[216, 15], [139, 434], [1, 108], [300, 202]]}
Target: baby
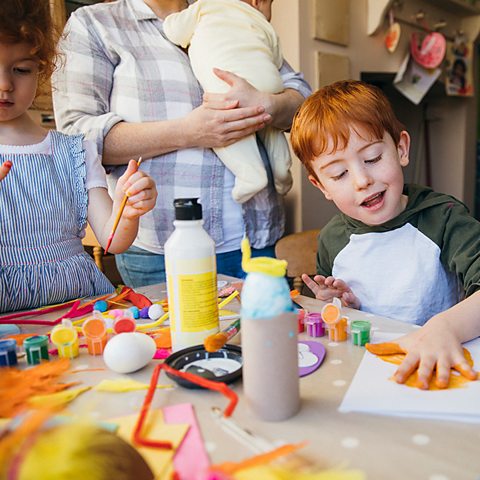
{"points": [[236, 36]]}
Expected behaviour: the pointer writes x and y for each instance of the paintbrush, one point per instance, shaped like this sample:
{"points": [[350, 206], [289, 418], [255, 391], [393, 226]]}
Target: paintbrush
{"points": [[119, 215], [216, 341], [261, 445]]}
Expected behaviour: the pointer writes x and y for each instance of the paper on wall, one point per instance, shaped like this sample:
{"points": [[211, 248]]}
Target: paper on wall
{"points": [[414, 81]]}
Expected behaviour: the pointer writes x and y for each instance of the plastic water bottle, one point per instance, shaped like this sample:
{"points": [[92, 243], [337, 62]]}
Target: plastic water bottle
{"points": [[191, 269], [269, 339]]}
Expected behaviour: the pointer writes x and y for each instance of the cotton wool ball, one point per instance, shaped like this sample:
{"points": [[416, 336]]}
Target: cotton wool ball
{"points": [[155, 311]]}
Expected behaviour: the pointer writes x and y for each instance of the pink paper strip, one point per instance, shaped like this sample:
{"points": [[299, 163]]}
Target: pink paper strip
{"points": [[191, 459]]}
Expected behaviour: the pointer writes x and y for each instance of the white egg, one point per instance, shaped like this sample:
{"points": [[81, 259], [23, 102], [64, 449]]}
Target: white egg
{"points": [[128, 352]]}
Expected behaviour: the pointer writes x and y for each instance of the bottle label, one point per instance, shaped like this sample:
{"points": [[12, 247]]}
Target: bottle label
{"points": [[196, 306]]}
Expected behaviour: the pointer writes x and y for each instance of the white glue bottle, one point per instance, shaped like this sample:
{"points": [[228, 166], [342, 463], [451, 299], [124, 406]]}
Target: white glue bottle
{"points": [[191, 269]]}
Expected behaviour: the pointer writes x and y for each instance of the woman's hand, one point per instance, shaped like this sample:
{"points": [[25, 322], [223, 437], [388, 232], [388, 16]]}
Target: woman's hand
{"points": [[280, 106], [240, 91], [221, 123], [326, 288], [4, 169], [140, 189]]}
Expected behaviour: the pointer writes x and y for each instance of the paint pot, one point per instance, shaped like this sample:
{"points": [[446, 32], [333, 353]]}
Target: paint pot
{"points": [[124, 324], [95, 332], [65, 338], [301, 320], [336, 324], [36, 349], [360, 332], [314, 323], [8, 353], [337, 332]]}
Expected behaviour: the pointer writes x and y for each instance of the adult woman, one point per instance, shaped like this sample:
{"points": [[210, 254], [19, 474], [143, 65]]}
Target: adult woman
{"points": [[132, 91]]}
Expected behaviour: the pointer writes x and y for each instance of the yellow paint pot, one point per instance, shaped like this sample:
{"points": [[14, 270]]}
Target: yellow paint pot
{"points": [[65, 338]]}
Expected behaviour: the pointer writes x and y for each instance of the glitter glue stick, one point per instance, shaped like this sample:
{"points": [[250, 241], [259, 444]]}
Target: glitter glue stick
{"points": [[190, 265], [269, 339], [95, 331], [65, 338]]}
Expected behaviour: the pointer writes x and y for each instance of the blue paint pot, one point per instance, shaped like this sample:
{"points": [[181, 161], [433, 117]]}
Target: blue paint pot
{"points": [[8, 353]]}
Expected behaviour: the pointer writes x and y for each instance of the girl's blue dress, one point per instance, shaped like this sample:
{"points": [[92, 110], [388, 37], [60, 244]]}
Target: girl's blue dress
{"points": [[43, 211]]}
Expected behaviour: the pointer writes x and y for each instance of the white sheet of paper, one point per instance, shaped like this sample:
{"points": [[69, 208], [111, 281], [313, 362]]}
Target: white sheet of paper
{"points": [[371, 391]]}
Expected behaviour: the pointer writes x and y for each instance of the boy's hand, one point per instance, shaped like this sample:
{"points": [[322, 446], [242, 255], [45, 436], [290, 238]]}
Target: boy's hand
{"points": [[140, 189], [4, 169], [326, 288], [432, 347]]}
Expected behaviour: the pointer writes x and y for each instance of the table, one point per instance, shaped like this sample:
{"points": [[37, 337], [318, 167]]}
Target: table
{"points": [[385, 448]]}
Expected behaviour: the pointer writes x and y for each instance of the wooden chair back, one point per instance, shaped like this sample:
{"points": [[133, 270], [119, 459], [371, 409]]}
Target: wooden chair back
{"points": [[300, 251], [90, 240]]}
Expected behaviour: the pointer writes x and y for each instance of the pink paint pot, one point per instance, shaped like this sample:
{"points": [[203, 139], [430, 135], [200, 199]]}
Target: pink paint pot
{"points": [[314, 324]]}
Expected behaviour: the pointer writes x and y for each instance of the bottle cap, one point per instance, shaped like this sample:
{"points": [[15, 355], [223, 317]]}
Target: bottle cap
{"points": [[187, 209], [331, 312], [266, 265]]}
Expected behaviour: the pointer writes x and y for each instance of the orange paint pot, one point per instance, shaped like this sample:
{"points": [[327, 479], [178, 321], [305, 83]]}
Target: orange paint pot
{"points": [[337, 332], [95, 332]]}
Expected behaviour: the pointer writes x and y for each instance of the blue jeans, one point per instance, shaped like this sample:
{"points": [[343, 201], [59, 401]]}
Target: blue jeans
{"points": [[139, 267]]}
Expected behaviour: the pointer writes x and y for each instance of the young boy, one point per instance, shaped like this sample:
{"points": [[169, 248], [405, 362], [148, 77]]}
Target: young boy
{"points": [[402, 251], [236, 36]]}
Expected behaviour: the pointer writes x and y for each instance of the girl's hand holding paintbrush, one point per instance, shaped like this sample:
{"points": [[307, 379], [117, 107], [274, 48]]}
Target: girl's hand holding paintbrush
{"points": [[135, 195], [140, 191]]}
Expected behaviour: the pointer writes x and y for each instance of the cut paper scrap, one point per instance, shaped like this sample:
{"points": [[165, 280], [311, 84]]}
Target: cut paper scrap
{"points": [[58, 399], [162, 337], [310, 356], [159, 460], [371, 391], [18, 386], [397, 356], [275, 473], [191, 458], [124, 385]]}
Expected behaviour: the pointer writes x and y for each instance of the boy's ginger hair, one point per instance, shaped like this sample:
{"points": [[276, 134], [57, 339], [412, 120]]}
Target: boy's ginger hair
{"points": [[332, 111], [30, 21]]}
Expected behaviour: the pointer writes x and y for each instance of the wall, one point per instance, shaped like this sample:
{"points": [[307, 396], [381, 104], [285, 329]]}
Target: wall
{"points": [[453, 129]]}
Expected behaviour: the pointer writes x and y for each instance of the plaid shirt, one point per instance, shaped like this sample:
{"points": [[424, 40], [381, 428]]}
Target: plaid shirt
{"points": [[120, 67]]}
